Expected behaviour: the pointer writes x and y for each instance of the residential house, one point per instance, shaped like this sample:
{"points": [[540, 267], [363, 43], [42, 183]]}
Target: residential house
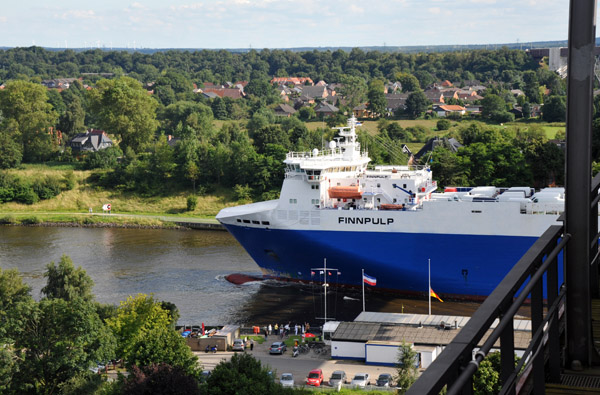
{"points": [[395, 102], [316, 92], [325, 109], [91, 141], [172, 141], [447, 109], [434, 96], [473, 108], [292, 80], [449, 143], [449, 94], [361, 111], [233, 93], [59, 83], [517, 111], [393, 87], [284, 110]]}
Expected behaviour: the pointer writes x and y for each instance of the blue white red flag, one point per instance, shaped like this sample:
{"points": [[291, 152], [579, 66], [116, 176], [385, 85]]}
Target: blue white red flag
{"points": [[369, 279]]}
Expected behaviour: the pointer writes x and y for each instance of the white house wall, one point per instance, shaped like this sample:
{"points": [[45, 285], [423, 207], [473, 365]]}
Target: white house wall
{"points": [[347, 350]]}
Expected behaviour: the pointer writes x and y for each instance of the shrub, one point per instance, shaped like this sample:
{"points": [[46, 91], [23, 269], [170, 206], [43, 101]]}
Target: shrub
{"points": [[33, 220], [8, 220], [443, 124], [24, 194], [69, 181], [192, 202], [242, 192]]}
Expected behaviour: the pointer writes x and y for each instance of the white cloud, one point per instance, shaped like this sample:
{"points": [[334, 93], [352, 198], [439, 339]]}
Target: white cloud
{"points": [[434, 10], [356, 9], [79, 14]]}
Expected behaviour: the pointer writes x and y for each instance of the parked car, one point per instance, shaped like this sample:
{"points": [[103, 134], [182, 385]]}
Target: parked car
{"points": [[384, 380], [277, 348], [339, 376], [287, 380], [361, 380], [238, 345], [204, 375], [315, 377]]}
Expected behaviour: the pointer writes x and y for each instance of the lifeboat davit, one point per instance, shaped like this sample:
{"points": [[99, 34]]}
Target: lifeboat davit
{"points": [[345, 192]]}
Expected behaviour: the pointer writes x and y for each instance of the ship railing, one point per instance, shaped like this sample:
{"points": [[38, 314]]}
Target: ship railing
{"points": [[456, 365], [309, 154]]}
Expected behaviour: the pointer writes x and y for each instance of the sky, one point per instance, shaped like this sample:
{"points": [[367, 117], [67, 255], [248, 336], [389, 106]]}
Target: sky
{"points": [[278, 23]]}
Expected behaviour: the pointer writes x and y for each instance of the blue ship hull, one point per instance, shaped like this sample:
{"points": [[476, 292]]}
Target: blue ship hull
{"points": [[465, 266]]}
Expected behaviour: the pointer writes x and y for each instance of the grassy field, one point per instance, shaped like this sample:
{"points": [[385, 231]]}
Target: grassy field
{"points": [[74, 205]]}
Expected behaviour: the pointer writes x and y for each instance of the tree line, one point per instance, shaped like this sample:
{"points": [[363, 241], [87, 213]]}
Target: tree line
{"points": [[166, 138]]}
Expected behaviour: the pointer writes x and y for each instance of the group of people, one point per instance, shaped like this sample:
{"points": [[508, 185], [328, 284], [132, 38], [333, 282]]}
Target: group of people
{"points": [[285, 330]]}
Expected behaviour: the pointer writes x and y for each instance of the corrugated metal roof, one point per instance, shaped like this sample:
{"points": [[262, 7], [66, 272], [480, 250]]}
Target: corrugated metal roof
{"points": [[428, 320]]}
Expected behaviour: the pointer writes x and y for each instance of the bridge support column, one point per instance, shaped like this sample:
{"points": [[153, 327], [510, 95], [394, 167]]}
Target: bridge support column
{"points": [[582, 33]]}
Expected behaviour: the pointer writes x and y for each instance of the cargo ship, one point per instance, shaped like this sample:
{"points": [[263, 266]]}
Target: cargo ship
{"points": [[389, 221]]}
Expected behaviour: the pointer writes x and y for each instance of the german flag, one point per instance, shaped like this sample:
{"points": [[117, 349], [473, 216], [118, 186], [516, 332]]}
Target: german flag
{"points": [[432, 293]]}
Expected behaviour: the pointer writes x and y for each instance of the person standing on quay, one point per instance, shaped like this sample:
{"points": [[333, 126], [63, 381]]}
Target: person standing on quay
{"points": [[270, 329], [296, 329]]}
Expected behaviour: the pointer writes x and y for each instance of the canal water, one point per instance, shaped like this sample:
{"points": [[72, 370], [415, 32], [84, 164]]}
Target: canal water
{"points": [[188, 268]]}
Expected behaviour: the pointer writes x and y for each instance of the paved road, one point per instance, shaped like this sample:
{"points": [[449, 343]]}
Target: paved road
{"points": [[299, 366]]}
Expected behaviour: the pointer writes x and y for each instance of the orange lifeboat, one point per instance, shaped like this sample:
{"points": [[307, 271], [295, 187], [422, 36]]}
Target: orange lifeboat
{"points": [[391, 207], [345, 192]]}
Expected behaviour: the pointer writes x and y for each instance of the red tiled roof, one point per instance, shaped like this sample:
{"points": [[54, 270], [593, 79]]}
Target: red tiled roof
{"points": [[452, 107]]}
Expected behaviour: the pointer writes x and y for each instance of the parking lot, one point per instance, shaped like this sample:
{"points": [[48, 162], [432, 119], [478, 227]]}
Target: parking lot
{"points": [[300, 365]]}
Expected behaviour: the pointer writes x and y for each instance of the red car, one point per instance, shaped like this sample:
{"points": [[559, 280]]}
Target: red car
{"points": [[315, 377]]}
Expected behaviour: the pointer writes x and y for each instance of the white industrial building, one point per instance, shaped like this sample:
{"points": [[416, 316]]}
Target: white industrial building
{"points": [[375, 338]]}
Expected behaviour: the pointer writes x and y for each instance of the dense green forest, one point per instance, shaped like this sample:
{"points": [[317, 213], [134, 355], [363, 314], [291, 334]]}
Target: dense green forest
{"points": [[144, 100]]}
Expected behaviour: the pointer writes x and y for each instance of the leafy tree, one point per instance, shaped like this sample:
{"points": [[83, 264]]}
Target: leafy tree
{"points": [[67, 282], [486, 380], [532, 86], [270, 134], [354, 89], [123, 107], [491, 104], [219, 108], [11, 150], [243, 374], [307, 114], [134, 319], [406, 370], [60, 339], [409, 82], [26, 105], [554, 109], [15, 304], [72, 121], [376, 96], [104, 159], [526, 108], [416, 104], [187, 118], [160, 379], [163, 345]]}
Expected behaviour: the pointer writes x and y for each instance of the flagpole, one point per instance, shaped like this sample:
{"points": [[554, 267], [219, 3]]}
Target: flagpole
{"points": [[363, 287], [429, 281], [325, 287]]}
